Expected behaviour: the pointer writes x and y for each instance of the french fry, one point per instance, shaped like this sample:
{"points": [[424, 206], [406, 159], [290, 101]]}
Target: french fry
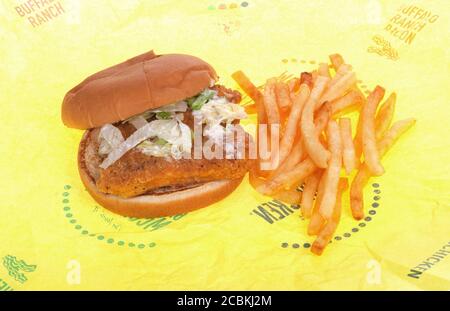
{"points": [[370, 151], [290, 196], [336, 60], [294, 85], [261, 119], [314, 75], [306, 78], [324, 70], [290, 178], [392, 135], [349, 102], [273, 116], [341, 72], [315, 149], [357, 192], [357, 140], [322, 118], [246, 85], [283, 96], [252, 91], [348, 149], [326, 234], [261, 112], [385, 115], [309, 191], [317, 222], [251, 109], [294, 157], [332, 172], [270, 103], [337, 89], [290, 132], [363, 175], [255, 178]]}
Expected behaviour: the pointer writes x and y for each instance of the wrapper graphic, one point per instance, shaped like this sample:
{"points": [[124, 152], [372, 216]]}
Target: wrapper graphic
{"points": [[55, 236], [17, 268]]}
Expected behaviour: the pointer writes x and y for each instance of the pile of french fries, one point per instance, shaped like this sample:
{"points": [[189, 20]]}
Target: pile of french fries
{"points": [[317, 150]]}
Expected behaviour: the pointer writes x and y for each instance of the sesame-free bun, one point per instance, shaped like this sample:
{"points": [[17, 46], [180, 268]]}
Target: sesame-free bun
{"points": [[141, 83], [147, 206]]}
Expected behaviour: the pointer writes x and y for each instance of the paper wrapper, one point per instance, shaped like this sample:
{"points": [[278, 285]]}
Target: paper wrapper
{"points": [[55, 236]]}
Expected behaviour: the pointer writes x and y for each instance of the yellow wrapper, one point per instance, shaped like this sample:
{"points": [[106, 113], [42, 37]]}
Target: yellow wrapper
{"points": [[55, 236]]}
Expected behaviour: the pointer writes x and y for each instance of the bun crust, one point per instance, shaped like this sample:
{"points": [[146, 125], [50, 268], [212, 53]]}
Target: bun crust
{"points": [[147, 206], [141, 83]]}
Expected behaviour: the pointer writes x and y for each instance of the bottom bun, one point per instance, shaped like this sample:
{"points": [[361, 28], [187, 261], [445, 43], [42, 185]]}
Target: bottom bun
{"points": [[147, 206]]}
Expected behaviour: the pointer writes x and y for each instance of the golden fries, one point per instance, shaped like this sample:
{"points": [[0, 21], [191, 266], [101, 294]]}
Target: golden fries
{"points": [[316, 222], [273, 116], [348, 149], [363, 175], [292, 123], [314, 146], [291, 196], [324, 70], [322, 118], [339, 88], [325, 235], [306, 78], [294, 84], [349, 102], [370, 151], [270, 103], [332, 172], [314, 75], [246, 85], [356, 192], [392, 135], [309, 191], [385, 116], [315, 149], [296, 155], [252, 91], [336, 61], [340, 73], [357, 140], [283, 96], [290, 178]]}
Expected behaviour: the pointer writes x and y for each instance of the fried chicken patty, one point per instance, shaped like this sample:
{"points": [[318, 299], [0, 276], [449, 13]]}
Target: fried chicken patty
{"points": [[136, 173]]}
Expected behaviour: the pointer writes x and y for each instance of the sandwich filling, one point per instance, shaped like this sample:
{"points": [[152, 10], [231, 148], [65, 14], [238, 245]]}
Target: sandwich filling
{"points": [[151, 153]]}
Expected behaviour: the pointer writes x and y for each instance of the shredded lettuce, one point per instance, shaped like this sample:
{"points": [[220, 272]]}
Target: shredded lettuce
{"points": [[167, 135], [109, 138], [216, 112], [196, 102], [175, 133], [172, 111], [154, 149], [180, 106], [161, 142], [138, 136], [174, 138], [163, 115], [145, 115], [138, 121], [219, 111]]}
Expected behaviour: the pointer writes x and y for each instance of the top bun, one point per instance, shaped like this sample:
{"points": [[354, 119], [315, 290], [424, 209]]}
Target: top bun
{"points": [[141, 83]]}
